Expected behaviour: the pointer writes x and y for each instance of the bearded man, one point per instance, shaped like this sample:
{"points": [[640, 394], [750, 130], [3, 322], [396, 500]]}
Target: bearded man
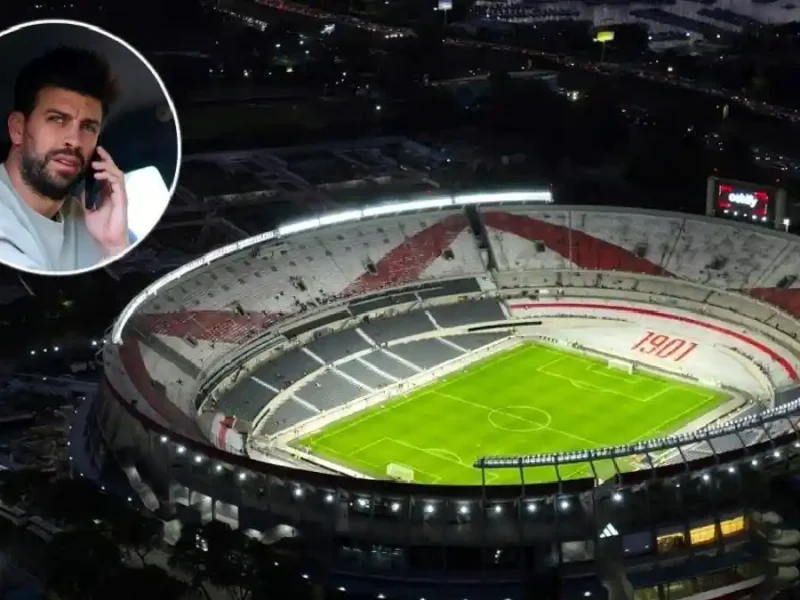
{"points": [[47, 222]]}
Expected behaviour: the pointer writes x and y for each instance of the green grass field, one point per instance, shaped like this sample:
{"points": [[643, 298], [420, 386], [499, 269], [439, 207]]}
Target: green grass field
{"points": [[530, 399]]}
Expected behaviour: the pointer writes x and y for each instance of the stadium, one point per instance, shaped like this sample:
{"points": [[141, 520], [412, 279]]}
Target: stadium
{"points": [[476, 396]]}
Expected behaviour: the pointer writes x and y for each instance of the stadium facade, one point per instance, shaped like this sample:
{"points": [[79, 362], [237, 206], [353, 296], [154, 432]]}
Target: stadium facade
{"points": [[210, 366]]}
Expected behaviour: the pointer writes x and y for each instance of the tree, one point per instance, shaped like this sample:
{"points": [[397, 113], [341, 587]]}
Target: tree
{"points": [[23, 487], [218, 555], [137, 533], [188, 555], [76, 502], [150, 582], [78, 562]]}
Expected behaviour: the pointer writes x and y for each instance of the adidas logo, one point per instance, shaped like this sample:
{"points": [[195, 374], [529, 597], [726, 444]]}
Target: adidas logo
{"points": [[609, 531]]}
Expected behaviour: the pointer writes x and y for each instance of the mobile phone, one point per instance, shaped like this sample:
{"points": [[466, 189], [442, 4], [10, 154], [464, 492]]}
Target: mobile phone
{"points": [[91, 186]]}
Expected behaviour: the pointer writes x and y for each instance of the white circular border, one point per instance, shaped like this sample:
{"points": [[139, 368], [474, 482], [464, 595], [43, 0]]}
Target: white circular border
{"points": [[179, 158], [505, 410]]}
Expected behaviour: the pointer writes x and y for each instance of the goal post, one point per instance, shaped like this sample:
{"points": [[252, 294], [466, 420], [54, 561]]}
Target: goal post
{"points": [[622, 365], [400, 472]]}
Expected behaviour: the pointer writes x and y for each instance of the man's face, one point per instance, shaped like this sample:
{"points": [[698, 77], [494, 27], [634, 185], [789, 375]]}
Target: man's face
{"points": [[57, 141]]}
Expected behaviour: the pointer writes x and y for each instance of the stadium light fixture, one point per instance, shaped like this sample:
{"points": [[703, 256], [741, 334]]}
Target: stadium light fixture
{"points": [[564, 504], [328, 497], [429, 509], [463, 509], [198, 458], [532, 507], [395, 506], [298, 492], [164, 439], [242, 476], [498, 509], [617, 497], [219, 468], [181, 449]]}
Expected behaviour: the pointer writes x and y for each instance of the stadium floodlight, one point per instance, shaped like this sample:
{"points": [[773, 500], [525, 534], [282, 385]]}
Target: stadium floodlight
{"points": [[340, 217], [545, 196], [304, 225], [413, 205]]}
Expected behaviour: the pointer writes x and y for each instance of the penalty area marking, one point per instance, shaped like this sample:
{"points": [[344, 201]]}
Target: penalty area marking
{"points": [[520, 424]]}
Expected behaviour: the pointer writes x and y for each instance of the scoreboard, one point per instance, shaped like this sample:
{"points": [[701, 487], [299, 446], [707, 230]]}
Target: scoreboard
{"points": [[749, 202]]}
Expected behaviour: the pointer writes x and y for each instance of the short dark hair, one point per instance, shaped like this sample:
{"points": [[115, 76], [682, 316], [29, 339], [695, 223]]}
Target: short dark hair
{"points": [[76, 69]]}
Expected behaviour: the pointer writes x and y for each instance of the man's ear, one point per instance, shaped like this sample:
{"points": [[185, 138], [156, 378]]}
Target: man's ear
{"points": [[16, 127]]}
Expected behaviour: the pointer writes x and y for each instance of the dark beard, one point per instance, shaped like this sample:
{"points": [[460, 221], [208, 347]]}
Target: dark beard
{"points": [[33, 171]]}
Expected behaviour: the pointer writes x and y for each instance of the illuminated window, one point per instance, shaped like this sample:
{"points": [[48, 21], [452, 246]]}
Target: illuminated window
{"points": [[667, 543], [732, 526], [703, 535]]}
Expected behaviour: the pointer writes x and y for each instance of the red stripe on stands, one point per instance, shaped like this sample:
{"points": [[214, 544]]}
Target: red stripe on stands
{"points": [[581, 249], [221, 437], [407, 261], [790, 370]]}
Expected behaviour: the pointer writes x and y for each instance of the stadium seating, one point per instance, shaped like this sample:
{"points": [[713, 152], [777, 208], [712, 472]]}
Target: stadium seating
{"points": [[426, 354], [478, 311], [392, 328], [228, 303], [360, 371], [231, 302], [333, 347], [714, 253], [473, 341]]}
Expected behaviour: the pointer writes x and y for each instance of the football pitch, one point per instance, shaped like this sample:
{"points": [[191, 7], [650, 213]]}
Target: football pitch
{"points": [[530, 399]]}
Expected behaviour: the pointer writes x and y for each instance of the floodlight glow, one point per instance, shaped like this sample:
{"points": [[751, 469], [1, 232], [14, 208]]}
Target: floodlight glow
{"points": [[298, 227], [342, 217], [531, 196], [398, 207]]}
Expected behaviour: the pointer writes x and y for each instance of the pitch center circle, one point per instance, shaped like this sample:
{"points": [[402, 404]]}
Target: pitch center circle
{"points": [[520, 419]]}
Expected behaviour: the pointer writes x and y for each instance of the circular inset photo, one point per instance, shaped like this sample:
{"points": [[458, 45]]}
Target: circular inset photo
{"points": [[92, 148]]}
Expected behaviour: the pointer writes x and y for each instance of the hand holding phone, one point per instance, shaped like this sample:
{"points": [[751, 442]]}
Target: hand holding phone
{"points": [[106, 202], [91, 187]]}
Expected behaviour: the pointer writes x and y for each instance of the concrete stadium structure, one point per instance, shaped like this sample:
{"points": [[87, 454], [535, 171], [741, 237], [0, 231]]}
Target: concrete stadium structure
{"points": [[209, 367]]}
